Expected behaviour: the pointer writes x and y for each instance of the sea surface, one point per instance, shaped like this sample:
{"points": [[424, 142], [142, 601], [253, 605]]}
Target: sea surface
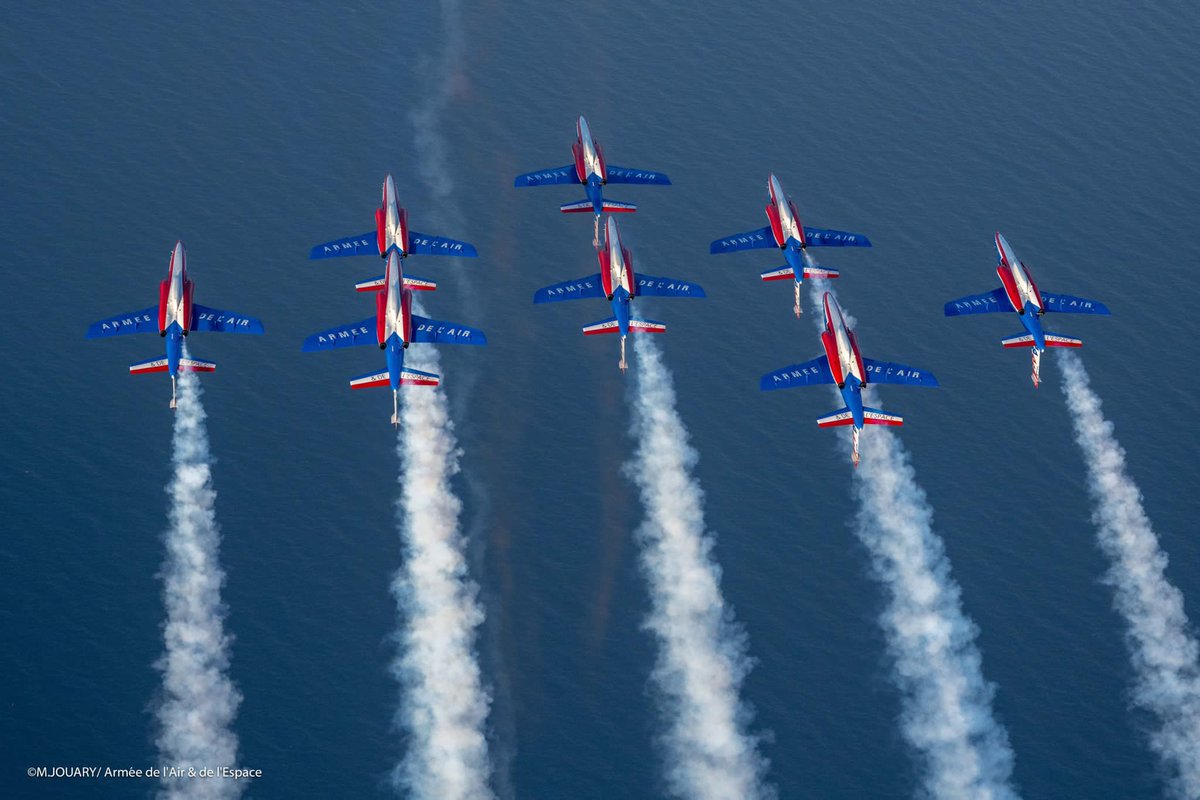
{"points": [[253, 131]]}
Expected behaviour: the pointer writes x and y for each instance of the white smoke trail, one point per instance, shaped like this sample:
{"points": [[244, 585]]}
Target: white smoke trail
{"points": [[200, 701], [1162, 646], [445, 706], [947, 703], [702, 658]]}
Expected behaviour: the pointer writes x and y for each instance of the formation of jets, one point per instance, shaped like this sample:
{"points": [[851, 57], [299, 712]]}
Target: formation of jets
{"points": [[394, 325]]}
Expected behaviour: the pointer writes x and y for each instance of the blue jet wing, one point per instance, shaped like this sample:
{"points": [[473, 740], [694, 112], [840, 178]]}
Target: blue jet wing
{"points": [[651, 286], [810, 373], [986, 303], [218, 321], [547, 177], [426, 245], [823, 237], [628, 175], [355, 333], [1066, 304], [890, 372], [436, 331], [365, 244], [144, 321], [591, 286], [750, 240]]}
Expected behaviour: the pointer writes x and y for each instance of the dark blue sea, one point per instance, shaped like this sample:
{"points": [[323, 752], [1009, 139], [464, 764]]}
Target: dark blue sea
{"points": [[253, 131]]}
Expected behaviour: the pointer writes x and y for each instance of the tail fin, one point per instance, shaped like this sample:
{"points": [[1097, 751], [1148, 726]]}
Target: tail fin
{"points": [[873, 416]]}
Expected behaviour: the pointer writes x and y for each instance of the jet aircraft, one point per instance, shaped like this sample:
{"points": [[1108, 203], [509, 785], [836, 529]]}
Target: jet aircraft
{"points": [[792, 237], [618, 283], [393, 327], [1020, 294], [391, 230], [591, 170], [844, 365], [173, 318]]}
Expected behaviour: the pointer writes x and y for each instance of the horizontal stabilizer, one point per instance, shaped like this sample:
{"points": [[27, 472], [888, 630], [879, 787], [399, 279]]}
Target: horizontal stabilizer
{"points": [[873, 416], [350, 335], [365, 244], [153, 365], [410, 282], [986, 303], [419, 284], [650, 286], [161, 365], [409, 377], [837, 419], [436, 331], [578, 207], [1066, 304], [603, 326], [195, 365], [810, 373], [762, 238], [787, 273], [646, 326], [1052, 340], [425, 245], [371, 284], [1020, 340], [547, 177], [635, 326], [822, 237], [144, 321], [215, 320], [616, 206], [628, 175], [891, 372], [415, 377], [589, 286], [370, 380]]}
